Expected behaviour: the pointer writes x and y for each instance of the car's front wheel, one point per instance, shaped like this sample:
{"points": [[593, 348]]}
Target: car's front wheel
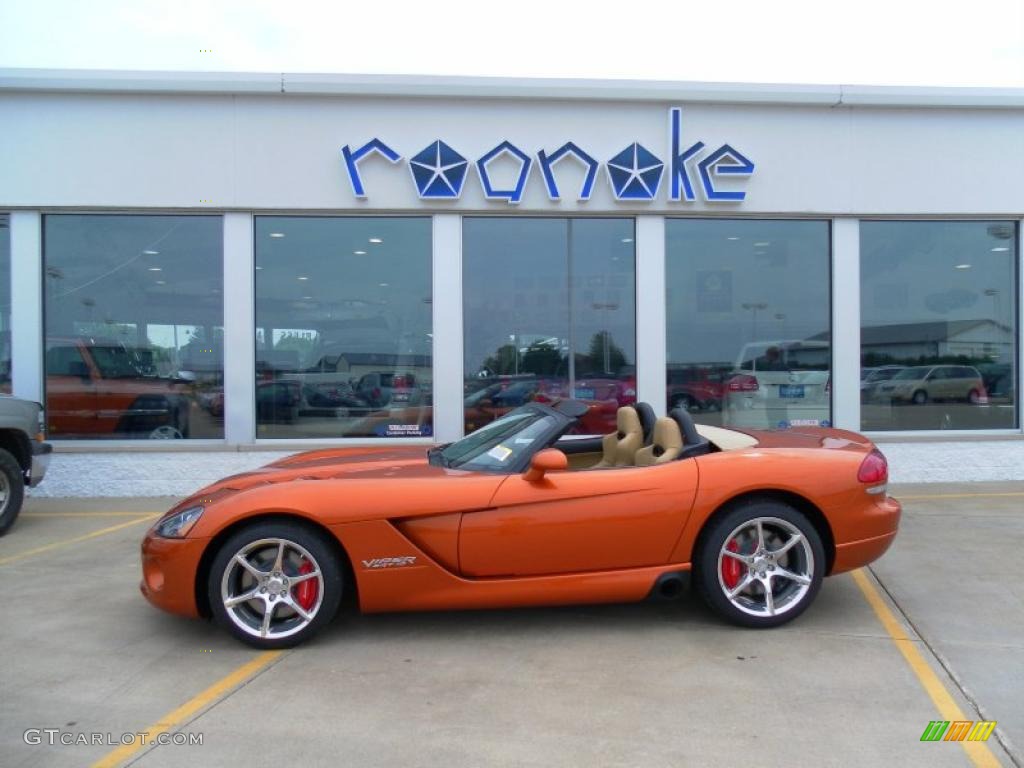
{"points": [[275, 584], [760, 564]]}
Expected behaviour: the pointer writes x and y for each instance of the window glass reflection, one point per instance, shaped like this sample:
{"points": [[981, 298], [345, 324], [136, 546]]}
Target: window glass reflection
{"points": [[134, 326], [5, 305], [343, 327], [549, 314], [749, 334], [938, 325]]}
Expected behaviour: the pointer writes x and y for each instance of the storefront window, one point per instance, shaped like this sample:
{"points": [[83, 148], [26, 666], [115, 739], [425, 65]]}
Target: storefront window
{"points": [[134, 326], [938, 325], [749, 332], [343, 327], [549, 314], [5, 306]]}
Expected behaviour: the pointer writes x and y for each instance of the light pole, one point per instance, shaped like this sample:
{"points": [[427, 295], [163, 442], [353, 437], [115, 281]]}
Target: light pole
{"points": [[609, 305], [753, 306]]}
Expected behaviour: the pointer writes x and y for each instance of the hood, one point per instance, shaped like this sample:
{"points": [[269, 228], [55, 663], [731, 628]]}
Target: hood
{"points": [[386, 461]]}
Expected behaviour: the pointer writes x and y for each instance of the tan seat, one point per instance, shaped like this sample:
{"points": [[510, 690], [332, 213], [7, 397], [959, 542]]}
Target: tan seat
{"points": [[620, 447], [666, 446]]}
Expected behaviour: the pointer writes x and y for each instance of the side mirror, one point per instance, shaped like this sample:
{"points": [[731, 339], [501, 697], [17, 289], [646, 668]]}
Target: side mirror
{"points": [[548, 460]]}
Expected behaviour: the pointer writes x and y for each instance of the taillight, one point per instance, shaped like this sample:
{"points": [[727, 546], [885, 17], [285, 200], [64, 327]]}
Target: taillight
{"points": [[874, 471], [743, 383]]}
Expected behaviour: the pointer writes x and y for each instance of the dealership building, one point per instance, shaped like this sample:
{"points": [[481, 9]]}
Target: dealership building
{"points": [[267, 260]]}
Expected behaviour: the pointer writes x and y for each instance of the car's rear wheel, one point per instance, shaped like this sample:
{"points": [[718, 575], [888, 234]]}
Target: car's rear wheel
{"points": [[920, 397], [275, 585], [12, 490], [760, 564], [974, 397]]}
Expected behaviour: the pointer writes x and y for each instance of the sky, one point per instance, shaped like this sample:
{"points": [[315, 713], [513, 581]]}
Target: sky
{"points": [[875, 42]]}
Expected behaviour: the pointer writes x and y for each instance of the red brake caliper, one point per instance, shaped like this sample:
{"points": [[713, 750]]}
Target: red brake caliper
{"points": [[305, 593], [730, 566]]}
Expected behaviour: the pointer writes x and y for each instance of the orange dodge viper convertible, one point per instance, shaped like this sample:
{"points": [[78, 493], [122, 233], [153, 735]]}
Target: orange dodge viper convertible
{"points": [[516, 514]]}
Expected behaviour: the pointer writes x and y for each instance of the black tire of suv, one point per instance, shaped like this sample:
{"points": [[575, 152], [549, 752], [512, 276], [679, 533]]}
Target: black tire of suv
{"points": [[15, 477]]}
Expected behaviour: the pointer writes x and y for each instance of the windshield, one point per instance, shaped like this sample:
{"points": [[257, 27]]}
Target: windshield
{"points": [[912, 374], [500, 444], [115, 362]]}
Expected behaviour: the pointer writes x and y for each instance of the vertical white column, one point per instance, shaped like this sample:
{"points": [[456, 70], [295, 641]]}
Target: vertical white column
{"points": [[27, 304], [447, 321], [650, 311], [239, 330], [846, 323]]}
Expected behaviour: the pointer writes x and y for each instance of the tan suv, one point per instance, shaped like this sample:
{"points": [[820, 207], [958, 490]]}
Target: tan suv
{"points": [[921, 383]]}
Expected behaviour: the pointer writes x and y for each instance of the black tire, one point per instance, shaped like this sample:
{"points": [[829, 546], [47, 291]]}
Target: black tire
{"points": [[13, 483], [711, 583], [920, 397], [320, 551], [974, 397], [685, 402]]}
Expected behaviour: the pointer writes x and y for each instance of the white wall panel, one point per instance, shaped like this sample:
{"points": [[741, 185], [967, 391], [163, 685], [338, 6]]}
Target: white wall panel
{"points": [[284, 152]]}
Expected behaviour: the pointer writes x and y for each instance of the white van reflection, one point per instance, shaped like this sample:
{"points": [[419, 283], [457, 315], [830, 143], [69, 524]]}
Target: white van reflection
{"points": [[778, 384]]}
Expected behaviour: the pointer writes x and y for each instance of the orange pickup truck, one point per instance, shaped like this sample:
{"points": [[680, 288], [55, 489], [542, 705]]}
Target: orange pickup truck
{"points": [[97, 388]]}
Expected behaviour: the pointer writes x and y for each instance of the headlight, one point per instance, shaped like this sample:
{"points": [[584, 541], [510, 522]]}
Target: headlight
{"points": [[178, 525]]}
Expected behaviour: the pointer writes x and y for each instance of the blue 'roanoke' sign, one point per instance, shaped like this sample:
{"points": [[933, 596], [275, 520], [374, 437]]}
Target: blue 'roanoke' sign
{"points": [[635, 174]]}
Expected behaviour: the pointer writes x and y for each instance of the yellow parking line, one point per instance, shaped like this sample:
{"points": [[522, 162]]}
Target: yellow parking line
{"points": [[75, 540], [172, 719], [84, 514], [977, 751], [901, 497]]}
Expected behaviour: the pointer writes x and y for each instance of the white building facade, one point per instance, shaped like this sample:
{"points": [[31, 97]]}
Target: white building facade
{"points": [[284, 260]]}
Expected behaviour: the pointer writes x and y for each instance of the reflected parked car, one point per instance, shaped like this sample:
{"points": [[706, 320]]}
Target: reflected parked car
{"points": [[695, 389], [496, 399], [922, 383], [870, 378], [384, 388], [998, 381], [95, 388], [277, 401], [602, 393], [780, 384], [332, 394]]}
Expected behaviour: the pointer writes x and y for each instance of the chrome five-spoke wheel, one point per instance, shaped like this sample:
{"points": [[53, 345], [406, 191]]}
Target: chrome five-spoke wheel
{"points": [[272, 588], [275, 584], [765, 566], [760, 563]]}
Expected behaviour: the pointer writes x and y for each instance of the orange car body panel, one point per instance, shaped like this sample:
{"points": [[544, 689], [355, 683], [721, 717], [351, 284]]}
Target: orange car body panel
{"points": [[579, 521], [476, 540]]}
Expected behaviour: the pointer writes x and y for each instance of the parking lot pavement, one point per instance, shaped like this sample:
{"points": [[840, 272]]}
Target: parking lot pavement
{"points": [[654, 684], [955, 572]]}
